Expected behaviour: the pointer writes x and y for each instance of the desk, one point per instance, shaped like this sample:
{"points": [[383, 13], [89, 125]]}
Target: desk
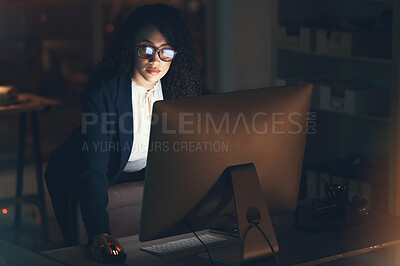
{"points": [[11, 254], [32, 104], [297, 247]]}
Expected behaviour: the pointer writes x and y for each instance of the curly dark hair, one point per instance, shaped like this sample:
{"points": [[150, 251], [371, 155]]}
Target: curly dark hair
{"points": [[183, 78]]}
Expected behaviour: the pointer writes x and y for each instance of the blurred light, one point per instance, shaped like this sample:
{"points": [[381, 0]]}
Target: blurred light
{"points": [[110, 28], [193, 6], [38, 219], [5, 89], [43, 18], [4, 211]]}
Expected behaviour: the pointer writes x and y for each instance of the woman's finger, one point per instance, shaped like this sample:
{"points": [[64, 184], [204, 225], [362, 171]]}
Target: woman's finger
{"points": [[104, 242], [116, 243], [96, 252], [121, 247]]}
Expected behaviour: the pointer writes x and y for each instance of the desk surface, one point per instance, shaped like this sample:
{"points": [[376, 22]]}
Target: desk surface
{"points": [[297, 247], [28, 102], [11, 254]]}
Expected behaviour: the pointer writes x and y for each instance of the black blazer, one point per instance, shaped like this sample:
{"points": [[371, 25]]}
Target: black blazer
{"points": [[93, 155]]}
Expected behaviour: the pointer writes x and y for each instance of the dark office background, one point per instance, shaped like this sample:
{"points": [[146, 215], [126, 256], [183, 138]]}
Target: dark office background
{"points": [[348, 49]]}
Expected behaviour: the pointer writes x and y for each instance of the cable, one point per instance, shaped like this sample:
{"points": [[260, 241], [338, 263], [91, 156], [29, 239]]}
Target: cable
{"points": [[269, 243], [245, 234], [208, 252], [248, 229]]}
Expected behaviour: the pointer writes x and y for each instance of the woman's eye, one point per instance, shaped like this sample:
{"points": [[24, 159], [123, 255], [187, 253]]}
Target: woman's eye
{"points": [[168, 52], [149, 50]]}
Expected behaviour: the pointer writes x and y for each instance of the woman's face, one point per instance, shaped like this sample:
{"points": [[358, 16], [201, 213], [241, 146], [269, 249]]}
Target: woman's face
{"points": [[147, 72]]}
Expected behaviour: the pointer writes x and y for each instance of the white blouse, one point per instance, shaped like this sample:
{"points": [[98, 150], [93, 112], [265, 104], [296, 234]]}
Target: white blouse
{"points": [[142, 106]]}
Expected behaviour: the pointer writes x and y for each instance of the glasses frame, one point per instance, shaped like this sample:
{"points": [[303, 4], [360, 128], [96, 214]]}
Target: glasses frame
{"points": [[155, 50]]}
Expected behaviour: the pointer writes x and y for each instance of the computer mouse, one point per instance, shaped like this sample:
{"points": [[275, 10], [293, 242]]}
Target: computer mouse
{"points": [[117, 255]]}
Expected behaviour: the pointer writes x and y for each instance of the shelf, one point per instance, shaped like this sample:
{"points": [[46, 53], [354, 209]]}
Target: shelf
{"points": [[355, 58], [385, 120]]}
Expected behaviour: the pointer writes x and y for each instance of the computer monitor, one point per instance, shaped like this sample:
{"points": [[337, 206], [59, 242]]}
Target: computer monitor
{"points": [[227, 158]]}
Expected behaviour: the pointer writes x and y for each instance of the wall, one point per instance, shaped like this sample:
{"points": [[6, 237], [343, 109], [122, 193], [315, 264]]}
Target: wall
{"points": [[240, 41]]}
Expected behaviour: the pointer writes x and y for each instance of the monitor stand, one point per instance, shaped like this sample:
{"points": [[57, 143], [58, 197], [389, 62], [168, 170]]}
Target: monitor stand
{"points": [[250, 208]]}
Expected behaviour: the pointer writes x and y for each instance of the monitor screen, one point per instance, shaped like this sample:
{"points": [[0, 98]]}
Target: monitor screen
{"points": [[194, 141]]}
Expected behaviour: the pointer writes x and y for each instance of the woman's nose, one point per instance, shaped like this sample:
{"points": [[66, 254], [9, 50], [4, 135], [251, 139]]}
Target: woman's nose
{"points": [[155, 57]]}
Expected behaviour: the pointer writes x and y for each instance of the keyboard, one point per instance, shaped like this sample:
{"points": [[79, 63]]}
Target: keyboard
{"points": [[183, 245]]}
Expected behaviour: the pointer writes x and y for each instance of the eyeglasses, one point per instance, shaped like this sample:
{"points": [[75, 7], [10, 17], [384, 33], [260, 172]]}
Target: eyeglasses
{"points": [[147, 52]]}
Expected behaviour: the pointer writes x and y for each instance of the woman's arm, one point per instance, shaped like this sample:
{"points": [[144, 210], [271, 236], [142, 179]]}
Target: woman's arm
{"points": [[93, 182]]}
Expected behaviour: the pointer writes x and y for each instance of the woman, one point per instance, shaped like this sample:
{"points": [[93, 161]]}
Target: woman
{"points": [[151, 59]]}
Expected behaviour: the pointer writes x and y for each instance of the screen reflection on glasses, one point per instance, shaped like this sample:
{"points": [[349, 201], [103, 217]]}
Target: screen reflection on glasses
{"points": [[146, 52]]}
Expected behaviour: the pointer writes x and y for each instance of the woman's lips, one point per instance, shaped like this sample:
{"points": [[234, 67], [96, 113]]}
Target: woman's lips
{"points": [[152, 71]]}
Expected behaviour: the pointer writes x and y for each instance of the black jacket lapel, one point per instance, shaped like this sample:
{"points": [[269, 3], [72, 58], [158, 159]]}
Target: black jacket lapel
{"points": [[124, 113]]}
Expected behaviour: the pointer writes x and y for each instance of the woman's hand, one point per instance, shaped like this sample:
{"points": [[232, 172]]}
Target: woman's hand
{"points": [[103, 240]]}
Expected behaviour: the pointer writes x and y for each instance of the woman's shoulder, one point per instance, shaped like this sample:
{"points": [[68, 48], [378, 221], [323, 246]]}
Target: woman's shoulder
{"points": [[102, 84], [104, 87]]}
